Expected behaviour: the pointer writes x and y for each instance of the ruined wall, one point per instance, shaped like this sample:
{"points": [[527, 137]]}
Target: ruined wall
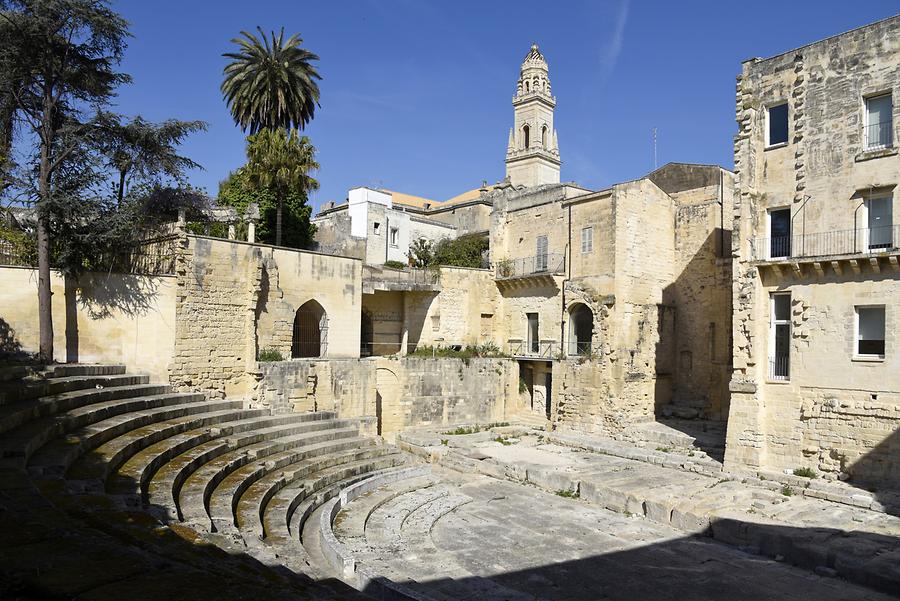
{"points": [[823, 174], [102, 318], [333, 236], [234, 299], [402, 392]]}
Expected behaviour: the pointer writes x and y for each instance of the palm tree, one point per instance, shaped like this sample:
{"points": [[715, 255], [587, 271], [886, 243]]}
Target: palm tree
{"points": [[280, 160], [270, 83]]}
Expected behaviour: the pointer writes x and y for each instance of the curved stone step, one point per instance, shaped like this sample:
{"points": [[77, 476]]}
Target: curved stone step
{"points": [[83, 369], [54, 458], [111, 455], [196, 492], [16, 414], [265, 511], [225, 499], [135, 474], [22, 442], [32, 389], [132, 476], [386, 521], [164, 488], [350, 523]]}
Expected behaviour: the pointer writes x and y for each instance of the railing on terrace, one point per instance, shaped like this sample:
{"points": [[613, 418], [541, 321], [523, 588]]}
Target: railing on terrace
{"points": [[155, 256], [879, 135], [577, 348], [545, 264], [837, 242], [780, 368], [544, 349], [424, 277]]}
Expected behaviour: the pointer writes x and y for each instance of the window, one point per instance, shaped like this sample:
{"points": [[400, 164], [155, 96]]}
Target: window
{"points": [[377, 228], [779, 233], [395, 235], [544, 141], [534, 341], [777, 124], [780, 337], [587, 240], [870, 332], [880, 223], [879, 122], [526, 136], [540, 254]]}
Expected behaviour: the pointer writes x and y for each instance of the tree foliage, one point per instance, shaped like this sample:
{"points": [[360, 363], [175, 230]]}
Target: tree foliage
{"points": [[141, 149], [280, 161], [270, 82], [465, 251], [238, 192], [421, 253]]}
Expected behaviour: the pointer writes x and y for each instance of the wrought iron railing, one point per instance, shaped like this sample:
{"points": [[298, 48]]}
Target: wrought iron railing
{"points": [[836, 242], [153, 256], [543, 349], [579, 348], [879, 135], [547, 263], [780, 368]]}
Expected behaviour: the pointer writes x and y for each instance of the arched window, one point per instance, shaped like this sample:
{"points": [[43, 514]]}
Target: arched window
{"points": [[526, 136], [544, 143], [527, 86], [310, 331], [581, 329]]}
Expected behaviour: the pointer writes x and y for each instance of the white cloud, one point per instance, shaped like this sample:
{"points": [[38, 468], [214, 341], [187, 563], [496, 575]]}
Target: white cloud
{"points": [[609, 54]]}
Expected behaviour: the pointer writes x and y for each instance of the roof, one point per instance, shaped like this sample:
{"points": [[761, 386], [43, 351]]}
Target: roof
{"points": [[410, 200]]}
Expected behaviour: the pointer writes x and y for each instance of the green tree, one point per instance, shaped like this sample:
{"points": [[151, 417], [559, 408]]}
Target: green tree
{"points": [[465, 251], [270, 83], [421, 253], [280, 160], [58, 61], [139, 148], [238, 192]]}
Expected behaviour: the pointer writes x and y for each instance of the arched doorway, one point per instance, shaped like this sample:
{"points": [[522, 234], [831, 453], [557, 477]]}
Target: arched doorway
{"points": [[310, 331], [581, 329]]}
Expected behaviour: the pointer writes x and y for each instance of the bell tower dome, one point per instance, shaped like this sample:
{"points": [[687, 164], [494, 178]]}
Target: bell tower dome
{"points": [[532, 154]]}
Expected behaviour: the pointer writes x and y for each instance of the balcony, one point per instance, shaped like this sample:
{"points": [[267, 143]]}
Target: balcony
{"points": [[874, 247], [545, 350], [537, 269], [386, 279]]}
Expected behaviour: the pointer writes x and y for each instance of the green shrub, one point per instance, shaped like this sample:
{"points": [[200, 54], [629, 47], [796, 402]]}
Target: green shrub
{"points": [[787, 491], [270, 354], [465, 251], [392, 264], [568, 494], [805, 472], [470, 351]]}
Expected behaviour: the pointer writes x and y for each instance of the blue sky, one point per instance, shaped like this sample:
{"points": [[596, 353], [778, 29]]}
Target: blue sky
{"points": [[416, 94]]}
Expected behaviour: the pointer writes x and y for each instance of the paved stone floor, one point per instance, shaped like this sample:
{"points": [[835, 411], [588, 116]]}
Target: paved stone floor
{"points": [[492, 539]]}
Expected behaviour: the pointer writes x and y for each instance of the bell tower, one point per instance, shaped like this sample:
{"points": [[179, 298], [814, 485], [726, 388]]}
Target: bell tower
{"points": [[532, 155]]}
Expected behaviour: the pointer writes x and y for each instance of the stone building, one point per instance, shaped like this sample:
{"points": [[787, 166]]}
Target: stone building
{"points": [[816, 380]]}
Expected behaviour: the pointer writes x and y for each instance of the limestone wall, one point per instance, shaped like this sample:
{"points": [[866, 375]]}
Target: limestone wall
{"points": [[400, 392], [834, 414], [235, 299], [101, 318]]}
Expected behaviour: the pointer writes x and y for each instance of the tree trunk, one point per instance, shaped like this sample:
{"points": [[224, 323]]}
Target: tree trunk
{"points": [[121, 193], [278, 222], [45, 310]]}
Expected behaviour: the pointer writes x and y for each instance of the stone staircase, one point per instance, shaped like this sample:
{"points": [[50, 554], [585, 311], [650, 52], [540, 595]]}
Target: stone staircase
{"points": [[114, 487]]}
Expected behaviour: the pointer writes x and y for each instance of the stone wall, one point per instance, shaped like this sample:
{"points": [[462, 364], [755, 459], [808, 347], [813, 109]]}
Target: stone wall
{"points": [[235, 299], [402, 392], [101, 318], [834, 413]]}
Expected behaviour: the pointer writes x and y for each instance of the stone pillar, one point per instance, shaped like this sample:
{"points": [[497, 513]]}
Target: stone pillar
{"points": [[231, 231], [251, 232]]}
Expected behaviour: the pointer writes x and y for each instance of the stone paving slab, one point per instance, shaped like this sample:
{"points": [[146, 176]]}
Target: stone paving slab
{"points": [[823, 536], [517, 542]]}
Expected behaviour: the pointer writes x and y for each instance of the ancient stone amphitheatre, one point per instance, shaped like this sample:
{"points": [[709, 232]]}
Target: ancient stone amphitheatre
{"points": [[683, 386]]}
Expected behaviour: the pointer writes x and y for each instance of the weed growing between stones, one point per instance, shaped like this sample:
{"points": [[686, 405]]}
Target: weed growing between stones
{"points": [[445, 442], [568, 494], [270, 354], [805, 472], [664, 449], [462, 430], [787, 491], [505, 441]]}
